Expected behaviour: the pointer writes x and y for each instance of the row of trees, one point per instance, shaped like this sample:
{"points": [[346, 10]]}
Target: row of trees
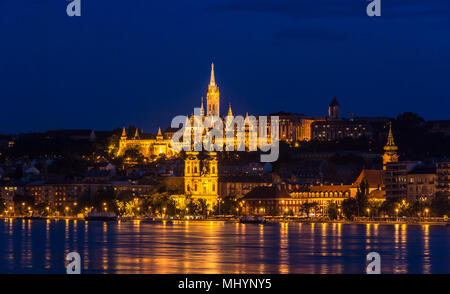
{"points": [[125, 204]]}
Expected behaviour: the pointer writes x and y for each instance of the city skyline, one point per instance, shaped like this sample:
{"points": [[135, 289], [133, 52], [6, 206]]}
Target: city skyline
{"points": [[90, 72]]}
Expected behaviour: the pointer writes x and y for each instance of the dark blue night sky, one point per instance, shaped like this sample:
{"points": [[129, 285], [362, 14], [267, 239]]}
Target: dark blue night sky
{"points": [[143, 62]]}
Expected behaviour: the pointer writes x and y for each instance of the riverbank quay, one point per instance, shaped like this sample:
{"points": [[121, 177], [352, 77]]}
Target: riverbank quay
{"points": [[267, 220]]}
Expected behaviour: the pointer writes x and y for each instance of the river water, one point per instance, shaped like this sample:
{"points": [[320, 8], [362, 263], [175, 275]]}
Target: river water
{"points": [[40, 246]]}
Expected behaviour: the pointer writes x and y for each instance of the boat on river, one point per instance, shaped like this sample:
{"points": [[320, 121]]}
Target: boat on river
{"points": [[252, 219], [101, 216]]}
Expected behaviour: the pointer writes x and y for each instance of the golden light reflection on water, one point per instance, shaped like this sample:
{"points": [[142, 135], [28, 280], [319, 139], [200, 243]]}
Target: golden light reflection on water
{"points": [[261, 248], [339, 235], [47, 254], [85, 256], [105, 250], [426, 249], [214, 247], [284, 252], [368, 237]]}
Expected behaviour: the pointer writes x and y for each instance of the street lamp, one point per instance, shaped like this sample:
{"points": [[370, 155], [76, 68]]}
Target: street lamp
{"points": [[368, 212], [426, 212], [396, 211]]}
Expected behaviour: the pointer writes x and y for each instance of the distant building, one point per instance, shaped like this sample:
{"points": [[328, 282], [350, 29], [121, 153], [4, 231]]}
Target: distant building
{"points": [[396, 179], [287, 198], [7, 193], [295, 127], [375, 182], [443, 178], [421, 184], [67, 194], [269, 201], [147, 144], [332, 130], [238, 186], [335, 128], [439, 126], [322, 194]]}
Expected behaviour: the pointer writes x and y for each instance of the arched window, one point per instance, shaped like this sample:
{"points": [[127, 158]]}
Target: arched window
{"points": [[195, 187], [214, 187]]}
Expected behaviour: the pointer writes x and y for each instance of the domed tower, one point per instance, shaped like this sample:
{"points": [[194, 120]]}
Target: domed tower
{"points": [[334, 109]]}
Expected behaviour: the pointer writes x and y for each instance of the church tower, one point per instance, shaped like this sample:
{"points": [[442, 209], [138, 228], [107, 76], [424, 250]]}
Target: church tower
{"points": [[334, 109], [390, 150], [213, 96], [201, 176]]}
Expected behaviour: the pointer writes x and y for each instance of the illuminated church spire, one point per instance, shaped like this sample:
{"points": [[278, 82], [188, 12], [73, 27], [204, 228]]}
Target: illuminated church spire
{"points": [[213, 96], [202, 111], [390, 141], [230, 112], [213, 79], [390, 150], [124, 133], [159, 136]]}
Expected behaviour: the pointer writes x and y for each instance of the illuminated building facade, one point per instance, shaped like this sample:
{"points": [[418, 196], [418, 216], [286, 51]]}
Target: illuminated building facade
{"points": [[148, 145], [201, 176], [296, 127]]}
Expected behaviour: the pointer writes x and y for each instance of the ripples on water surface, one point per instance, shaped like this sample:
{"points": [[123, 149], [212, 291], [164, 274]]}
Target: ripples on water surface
{"points": [[220, 247]]}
